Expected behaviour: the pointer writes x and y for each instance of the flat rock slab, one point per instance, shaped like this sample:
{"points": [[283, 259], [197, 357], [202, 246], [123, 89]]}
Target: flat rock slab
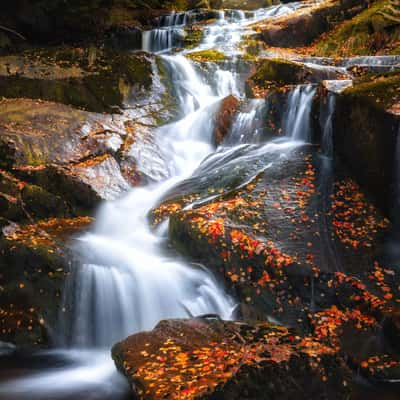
{"points": [[213, 359]]}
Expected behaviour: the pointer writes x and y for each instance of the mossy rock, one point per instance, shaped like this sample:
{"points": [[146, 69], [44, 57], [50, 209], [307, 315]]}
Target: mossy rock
{"points": [[277, 73], [302, 27], [370, 32], [207, 56], [92, 79], [366, 126]]}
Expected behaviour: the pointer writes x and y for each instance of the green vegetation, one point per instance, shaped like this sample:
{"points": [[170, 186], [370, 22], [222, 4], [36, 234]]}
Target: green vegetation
{"points": [[373, 31], [207, 56], [382, 91]]}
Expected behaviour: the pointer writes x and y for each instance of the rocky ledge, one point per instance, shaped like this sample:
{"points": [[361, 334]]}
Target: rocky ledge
{"points": [[205, 358]]}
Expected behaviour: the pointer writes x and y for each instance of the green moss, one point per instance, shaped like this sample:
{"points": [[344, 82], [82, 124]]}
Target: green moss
{"points": [[207, 56], [105, 81], [380, 91], [277, 70], [370, 32], [193, 38]]}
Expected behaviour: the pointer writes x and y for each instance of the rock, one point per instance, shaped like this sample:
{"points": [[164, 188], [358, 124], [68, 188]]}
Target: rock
{"points": [[55, 22], [276, 72], [366, 126], [213, 359], [224, 118], [55, 151], [277, 225], [307, 24], [373, 31], [93, 79], [241, 5], [34, 262], [207, 56]]}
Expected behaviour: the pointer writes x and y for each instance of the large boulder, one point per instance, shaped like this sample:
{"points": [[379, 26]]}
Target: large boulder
{"points": [[212, 359], [80, 157]]}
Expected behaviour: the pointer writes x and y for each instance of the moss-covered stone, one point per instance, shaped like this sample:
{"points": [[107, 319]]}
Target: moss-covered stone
{"points": [[278, 73], [92, 79], [366, 126], [370, 32], [207, 56]]}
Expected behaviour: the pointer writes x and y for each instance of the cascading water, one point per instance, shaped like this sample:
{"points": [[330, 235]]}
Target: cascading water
{"points": [[126, 282], [296, 119], [248, 126]]}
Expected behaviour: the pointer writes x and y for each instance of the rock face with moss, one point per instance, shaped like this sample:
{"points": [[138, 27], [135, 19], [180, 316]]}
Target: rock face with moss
{"points": [[367, 126], [374, 31], [212, 359], [277, 73], [93, 79], [306, 25], [82, 157]]}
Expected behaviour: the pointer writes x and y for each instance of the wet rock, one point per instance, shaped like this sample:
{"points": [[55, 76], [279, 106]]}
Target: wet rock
{"points": [[55, 151], [304, 26], [224, 118], [34, 261], [212, 359], [278, 224]]}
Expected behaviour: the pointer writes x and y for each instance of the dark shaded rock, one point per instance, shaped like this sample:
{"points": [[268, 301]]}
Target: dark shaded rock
{"points": [[34, 261], [294, 238], [212, 359], [366, 126], [224, 118], [304, 26]]}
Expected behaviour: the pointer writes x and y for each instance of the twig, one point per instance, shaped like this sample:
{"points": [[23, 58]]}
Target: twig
{"points": [[12, 31]]}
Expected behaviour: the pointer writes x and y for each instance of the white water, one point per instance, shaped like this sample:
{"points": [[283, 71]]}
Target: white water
{"points": [[248, 124], [296, 119]]}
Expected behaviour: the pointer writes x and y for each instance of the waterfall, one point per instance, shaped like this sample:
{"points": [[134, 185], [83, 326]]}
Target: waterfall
{"points": [[126, 282], [296, 119], [326, 116], [167, 35]]}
